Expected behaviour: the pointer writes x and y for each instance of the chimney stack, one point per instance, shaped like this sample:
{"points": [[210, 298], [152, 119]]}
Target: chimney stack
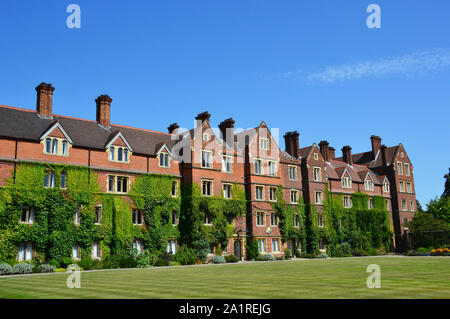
{"points": [[325, 150], [202, 117], [44, 99], [292, 144], [383, 155], [376, 144], [173, 128], [227, 130], [347, 154], [332, 153], [103, 110]]}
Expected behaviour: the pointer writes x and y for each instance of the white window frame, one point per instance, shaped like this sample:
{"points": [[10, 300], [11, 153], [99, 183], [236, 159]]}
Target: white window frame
{"points": [[227, 160], [210, 182], [262, 192], [207, 160], [262, 145], [225, 192], [294, 191], [260, 166], [277, 245], [262, 216], [273, 191], [317, 169], [272, 168], [295, 172], [315, 198]]}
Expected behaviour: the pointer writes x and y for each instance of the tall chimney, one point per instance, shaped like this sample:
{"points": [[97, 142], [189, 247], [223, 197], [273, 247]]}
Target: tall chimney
{"points": [[292, 145], [324, 149], [103, 110], [383, 155], [44, 99], [376, 143], [332, 153], [227, 130], [202, 117], [173, 128], [347, 154]]}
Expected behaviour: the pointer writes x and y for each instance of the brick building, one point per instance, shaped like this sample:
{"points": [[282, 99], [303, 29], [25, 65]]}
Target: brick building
{"points": [[251, 158]]}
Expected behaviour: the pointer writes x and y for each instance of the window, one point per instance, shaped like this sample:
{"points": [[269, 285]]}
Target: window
{"points": [[316, 156], [27, 215], [55, 146], [399, 168], [258, 166], [171, 246], [322, 244], [206, 159], [272, 194], [409, 187], [346, 182], [407, 170], [405, 221], [112, 151], [370, 203], [206, 137], [386, 187], [264, 143], [227, 191], [273, 219], [260, 219], [137, 245], [403, 204], [294, 197], [318, 197], [122, 154], [226, 164], [98, 215], [118, 184], [64, 147], [164, 160], [136, 217], [296, 221], [317, 174], [292, 173], [48, 145], [411, 205], [259, 193], [208, 219], [25, 252], [207, 188], [320, 221], [261, 245], [63, 180], [275, 245], [347, 201], [272, 167], [174, 218], [77, 217], [76, 251], [96, 253], [174, 188], [402, 186], [368, 184], [49, 179]]}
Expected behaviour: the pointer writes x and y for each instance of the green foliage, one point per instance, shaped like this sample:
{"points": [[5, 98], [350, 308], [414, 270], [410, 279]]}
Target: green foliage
{"points": [[185, 256], [5, 269], [218, 260], [440, 208], [202, 248], [252, 249], [266, 257], [446, 192], [47, 268], [231, 259], [22, 268], [287, 254]]}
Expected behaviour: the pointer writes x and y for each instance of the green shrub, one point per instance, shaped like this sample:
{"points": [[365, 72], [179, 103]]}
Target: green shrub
{"points": [[174, 263], [411, 252], [252, 249], [185, 256], [121, 260], [66, 261], [46, 268], [218, 260], [22, 268], [360, 252], [287, 254], [323, 255], [231, 259], [60, 270], [86, 263], [202, 249], [162, 262], [5, 269], [54, 262], [266, 257], [307, 255], [346, 249], [145, 260], [12, 262]]}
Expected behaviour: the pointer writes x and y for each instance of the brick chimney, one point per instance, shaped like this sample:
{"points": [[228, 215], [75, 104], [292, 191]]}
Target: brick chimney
{"points": [[383, 154], [332, 153], [325, 150], [202, 117], [227, 130], [347, 154], [44, 99], [173, 128], [292, 145], [103, 110], [376, 143]]}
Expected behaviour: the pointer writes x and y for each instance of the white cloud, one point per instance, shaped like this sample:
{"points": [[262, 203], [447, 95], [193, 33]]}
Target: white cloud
{"points": [[408, 65]]}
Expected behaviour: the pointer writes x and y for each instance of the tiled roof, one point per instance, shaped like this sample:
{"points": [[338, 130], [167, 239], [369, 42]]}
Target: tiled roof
{"points": [[26, 124]]}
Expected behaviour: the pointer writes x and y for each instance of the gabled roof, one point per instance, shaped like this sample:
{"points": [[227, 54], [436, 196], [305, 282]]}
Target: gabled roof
{"points": [[25, 124], [367, 159], [114, 137], [53, 126], [162, 146]]}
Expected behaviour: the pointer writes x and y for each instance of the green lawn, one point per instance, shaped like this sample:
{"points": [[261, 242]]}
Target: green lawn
{"points": [[401, 277]]}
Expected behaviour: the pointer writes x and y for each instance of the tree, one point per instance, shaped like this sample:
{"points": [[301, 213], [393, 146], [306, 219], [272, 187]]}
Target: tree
{"points": [[440, 208], [447, 185], [426, 222]]}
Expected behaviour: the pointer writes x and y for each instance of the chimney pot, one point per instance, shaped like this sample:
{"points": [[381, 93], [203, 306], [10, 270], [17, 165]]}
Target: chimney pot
{"points": [[103, 110], [203, 117], [173, 128], [347, 154], [376, 143], [332, 153], [324, 149], [44, 99], [227, 130], [383, 154], [292, 144]]}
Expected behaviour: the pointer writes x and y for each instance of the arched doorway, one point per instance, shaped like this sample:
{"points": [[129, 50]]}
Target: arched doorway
{"points": [[237, 249]]}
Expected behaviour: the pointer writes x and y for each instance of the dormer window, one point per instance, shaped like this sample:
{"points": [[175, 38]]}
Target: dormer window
{"points": [[52, 146], [368, 184], [118, 154], [164, 160], [386, 187], [346, 182]]}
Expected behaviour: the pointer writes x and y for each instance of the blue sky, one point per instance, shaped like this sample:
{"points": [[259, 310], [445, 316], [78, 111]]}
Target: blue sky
{"points": [[310, 66]]}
